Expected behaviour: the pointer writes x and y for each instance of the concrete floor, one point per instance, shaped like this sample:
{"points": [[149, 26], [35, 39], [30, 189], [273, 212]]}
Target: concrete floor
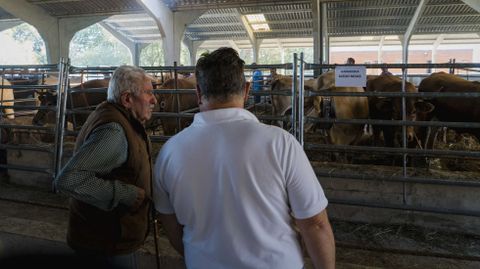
{"points": [[33, 225]]}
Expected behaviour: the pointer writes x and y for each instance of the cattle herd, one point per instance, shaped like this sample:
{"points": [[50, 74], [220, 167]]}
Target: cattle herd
{"points": [[174, 111], [445, 109]]}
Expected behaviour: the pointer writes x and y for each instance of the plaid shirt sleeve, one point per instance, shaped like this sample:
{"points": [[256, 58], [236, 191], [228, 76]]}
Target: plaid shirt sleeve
{"points": [[105, 149]]}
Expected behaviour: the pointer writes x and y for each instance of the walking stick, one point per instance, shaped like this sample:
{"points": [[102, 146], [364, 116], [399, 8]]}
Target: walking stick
{"points": [[155, 237]]}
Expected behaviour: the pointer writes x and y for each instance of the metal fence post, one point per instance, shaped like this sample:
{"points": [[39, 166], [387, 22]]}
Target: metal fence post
{"points": [[62, 88], [301, 100], [294, 95]]}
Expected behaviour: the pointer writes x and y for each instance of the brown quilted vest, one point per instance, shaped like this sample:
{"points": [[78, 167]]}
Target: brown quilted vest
{"points": [[118, 231]]}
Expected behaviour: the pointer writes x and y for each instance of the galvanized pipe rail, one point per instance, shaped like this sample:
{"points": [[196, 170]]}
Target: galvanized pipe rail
{"points": [[393, 151], [453, 124], [297, 91], [26, 74], [393, 178], [404, 150]]}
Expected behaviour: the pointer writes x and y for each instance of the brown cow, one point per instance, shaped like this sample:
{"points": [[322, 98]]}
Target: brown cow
{"points": [[76, 100], [170, 102], [345, 107], [450, 109], [7, 99], [282, 104], [388, 108]]}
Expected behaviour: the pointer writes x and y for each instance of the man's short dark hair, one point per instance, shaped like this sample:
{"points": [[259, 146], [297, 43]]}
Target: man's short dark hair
{"points": [[220, 74]]}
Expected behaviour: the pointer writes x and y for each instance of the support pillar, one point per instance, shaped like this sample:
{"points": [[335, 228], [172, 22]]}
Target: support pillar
{"points": [[171, 25], [411, 26], [321, 46], [193, 48]]}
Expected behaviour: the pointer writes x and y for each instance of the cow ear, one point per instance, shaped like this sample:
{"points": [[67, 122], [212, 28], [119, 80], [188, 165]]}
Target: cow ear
{"points": [[308, 87], [424, 107], [274, 84], [384, 105]]}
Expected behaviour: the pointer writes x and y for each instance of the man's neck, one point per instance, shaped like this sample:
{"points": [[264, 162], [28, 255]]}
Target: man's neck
{"points": [[236, 103]]}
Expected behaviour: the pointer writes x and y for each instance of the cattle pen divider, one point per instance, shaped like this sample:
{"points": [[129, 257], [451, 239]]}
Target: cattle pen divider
{"points": [[369, 192], [405, 179]]}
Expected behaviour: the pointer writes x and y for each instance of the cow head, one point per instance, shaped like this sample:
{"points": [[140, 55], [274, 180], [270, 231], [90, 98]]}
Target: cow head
{"points": [[424, 112], [326, 81], [46, 98], [173, 102], [282, 104]]}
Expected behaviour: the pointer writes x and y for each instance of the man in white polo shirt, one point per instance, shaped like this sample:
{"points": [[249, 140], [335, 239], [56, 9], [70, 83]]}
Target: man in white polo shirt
{"points": [[229, 188]]}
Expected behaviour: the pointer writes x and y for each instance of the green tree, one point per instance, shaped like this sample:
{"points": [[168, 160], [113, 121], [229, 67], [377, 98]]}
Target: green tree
{"points": [[246, 55], [307, 54], [184, 55], [27, 33], [152, 55], [94, 46], [269, 56]]}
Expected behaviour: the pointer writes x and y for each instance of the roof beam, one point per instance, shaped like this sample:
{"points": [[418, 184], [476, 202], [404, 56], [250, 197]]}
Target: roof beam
{"points": [[248, 28], [378, 18], [376, 7], [297, 30], [10, 23], [233, 45], [136, 28], [133, 46], [251, 35], [122, 38], [438, 41], [229, 4], [205, 25], [411, 27], [52, 1], [380, 49], [475, 4], [146, 18]]}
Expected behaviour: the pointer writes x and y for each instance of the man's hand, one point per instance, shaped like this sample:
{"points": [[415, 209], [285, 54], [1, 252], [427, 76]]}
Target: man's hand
{"points": [[139, 200], [173, 230]]}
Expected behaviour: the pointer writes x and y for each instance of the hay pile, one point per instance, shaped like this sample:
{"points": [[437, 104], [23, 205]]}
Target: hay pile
{"points": [[457, 142]]}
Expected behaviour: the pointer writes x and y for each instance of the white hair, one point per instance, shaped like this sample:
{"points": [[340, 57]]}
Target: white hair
{"points": [[126, 78]]}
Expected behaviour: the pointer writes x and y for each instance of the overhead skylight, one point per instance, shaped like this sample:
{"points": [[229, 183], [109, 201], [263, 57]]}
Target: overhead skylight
{"points": [[260, 27], [258, 22], [256, 18]]}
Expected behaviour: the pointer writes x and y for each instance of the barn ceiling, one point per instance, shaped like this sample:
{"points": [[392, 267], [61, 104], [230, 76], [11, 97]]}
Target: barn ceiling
{"points": [[292, 20]]}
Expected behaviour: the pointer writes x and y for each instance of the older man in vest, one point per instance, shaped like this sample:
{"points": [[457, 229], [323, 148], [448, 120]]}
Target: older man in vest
{"points": [[109, 176]]}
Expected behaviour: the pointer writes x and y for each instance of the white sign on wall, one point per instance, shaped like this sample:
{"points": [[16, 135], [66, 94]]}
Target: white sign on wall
{"points": [[350, 76]]}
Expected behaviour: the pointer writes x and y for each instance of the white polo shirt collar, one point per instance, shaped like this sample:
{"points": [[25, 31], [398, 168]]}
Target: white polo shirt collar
{"points": [[217, 116]]}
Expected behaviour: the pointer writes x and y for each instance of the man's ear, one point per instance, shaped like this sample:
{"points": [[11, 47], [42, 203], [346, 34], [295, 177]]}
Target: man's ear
{"points": [[126, 99], [247, 90], [199, 95]]}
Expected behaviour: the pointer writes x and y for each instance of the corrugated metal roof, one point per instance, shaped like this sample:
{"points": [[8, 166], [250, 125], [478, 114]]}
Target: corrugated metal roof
{"points": [[68, 8], [287, 19]]}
